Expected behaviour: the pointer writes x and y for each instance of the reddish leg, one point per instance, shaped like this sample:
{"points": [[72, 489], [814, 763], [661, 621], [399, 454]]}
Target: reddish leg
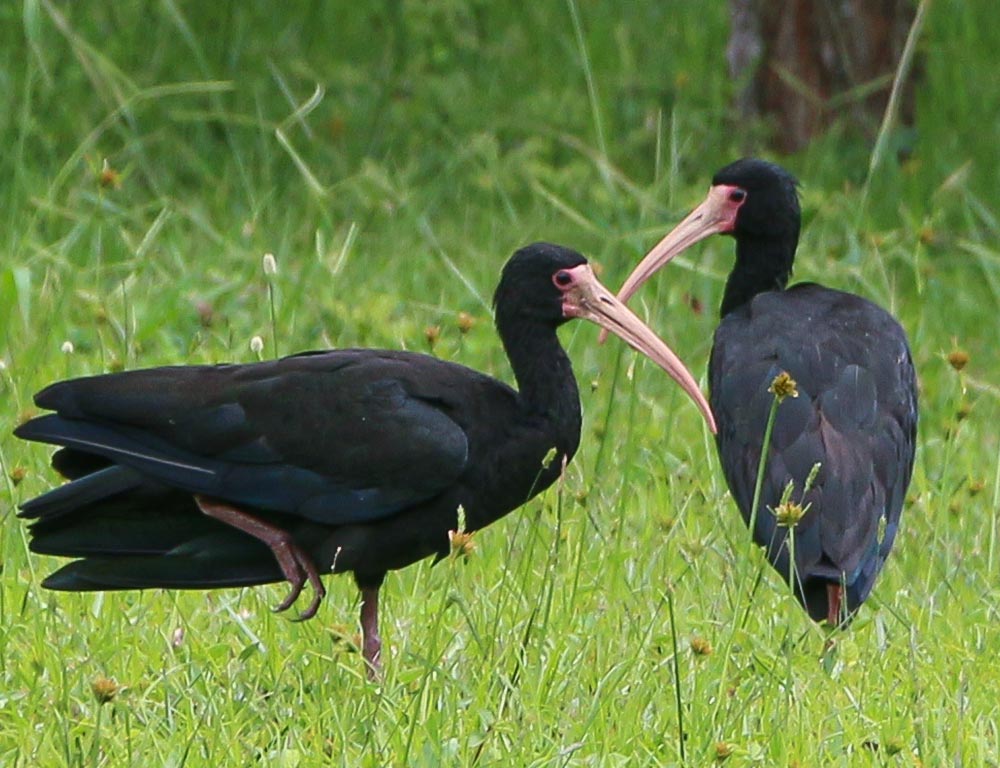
{"points": [[371, 643], [295, 564], [834, 593]]}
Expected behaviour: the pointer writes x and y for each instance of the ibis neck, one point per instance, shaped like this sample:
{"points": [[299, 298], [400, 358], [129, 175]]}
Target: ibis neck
{"points": [[761, 265], [545, 379]]}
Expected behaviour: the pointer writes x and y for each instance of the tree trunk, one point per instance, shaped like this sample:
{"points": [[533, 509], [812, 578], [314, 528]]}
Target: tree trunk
{"points": [[804, 64]]}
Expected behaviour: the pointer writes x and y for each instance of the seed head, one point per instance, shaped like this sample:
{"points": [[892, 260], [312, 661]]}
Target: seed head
{"points": [[104, 689], [461, 541], [958, 359], [270, 265], [432, 333], [206, 313], [783, 386], [67, 347], [723, 750], [700, 646], [465, 322], [462, 544], [109, 178], [548, 458], [788, 513], [16, 475], [811, 477], [256, 345]]}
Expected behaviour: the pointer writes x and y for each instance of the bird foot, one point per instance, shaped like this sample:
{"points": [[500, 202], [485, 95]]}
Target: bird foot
{"points": [[298, 569], [296, 565]]}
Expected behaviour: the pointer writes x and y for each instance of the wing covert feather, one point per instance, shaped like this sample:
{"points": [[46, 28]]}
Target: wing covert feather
{"points": [[340, 437]]}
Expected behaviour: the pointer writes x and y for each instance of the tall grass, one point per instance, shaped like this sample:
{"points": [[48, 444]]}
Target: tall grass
{"points": [[391, 156]]}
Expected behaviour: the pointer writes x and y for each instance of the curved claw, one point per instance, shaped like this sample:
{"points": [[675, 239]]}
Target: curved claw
{"points": [[310, 611], [304, 571], [292, 596]]}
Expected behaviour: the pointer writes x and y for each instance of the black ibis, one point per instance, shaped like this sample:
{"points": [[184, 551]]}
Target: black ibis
{"points": [[347, 460], [856, 410]]}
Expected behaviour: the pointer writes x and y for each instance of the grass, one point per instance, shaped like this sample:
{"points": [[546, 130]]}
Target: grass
{"points": [[391, 158]]}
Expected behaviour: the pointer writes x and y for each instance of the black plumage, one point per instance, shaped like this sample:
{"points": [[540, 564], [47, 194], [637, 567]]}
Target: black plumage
{"points": [[349, 460], [856, 410]]}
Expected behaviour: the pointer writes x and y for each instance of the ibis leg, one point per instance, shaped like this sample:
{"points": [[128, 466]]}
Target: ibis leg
{"points": [[834, 593], [371, 643], [296, 565]]}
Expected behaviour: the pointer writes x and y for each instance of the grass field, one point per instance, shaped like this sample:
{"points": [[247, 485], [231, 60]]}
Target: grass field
{"points": [[392, 158]]}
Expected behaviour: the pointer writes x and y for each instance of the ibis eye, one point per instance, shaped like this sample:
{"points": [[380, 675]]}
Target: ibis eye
{"points": [[562, 278], [737, 196]]}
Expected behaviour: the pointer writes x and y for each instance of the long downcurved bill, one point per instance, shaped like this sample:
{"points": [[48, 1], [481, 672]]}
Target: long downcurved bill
{"points": [[587, 298], [713, 216]]}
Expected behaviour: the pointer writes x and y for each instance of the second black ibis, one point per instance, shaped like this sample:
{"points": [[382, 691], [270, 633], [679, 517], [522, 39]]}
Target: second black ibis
{"points": [[346, 460], [856, 410]]}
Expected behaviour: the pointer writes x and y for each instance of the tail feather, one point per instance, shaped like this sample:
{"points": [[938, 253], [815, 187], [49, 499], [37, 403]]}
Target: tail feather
{"points": [[135, 534], [229, 560], [79, 493], [146, 453], [73, 464], [144, 537], [126, 527], [130, 529]]}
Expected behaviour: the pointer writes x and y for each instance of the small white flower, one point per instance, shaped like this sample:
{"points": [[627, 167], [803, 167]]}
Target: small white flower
{"points": [[67, 347], [270, 264], [256, 345]]}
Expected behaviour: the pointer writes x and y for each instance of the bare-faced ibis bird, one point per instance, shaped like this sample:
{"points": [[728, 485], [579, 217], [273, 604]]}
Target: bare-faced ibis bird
{"points": [[856, 410], [348, 460]]}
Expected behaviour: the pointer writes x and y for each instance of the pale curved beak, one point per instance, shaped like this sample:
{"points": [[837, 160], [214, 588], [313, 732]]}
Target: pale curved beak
{"points": [[588, 299], [713, 216]]}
